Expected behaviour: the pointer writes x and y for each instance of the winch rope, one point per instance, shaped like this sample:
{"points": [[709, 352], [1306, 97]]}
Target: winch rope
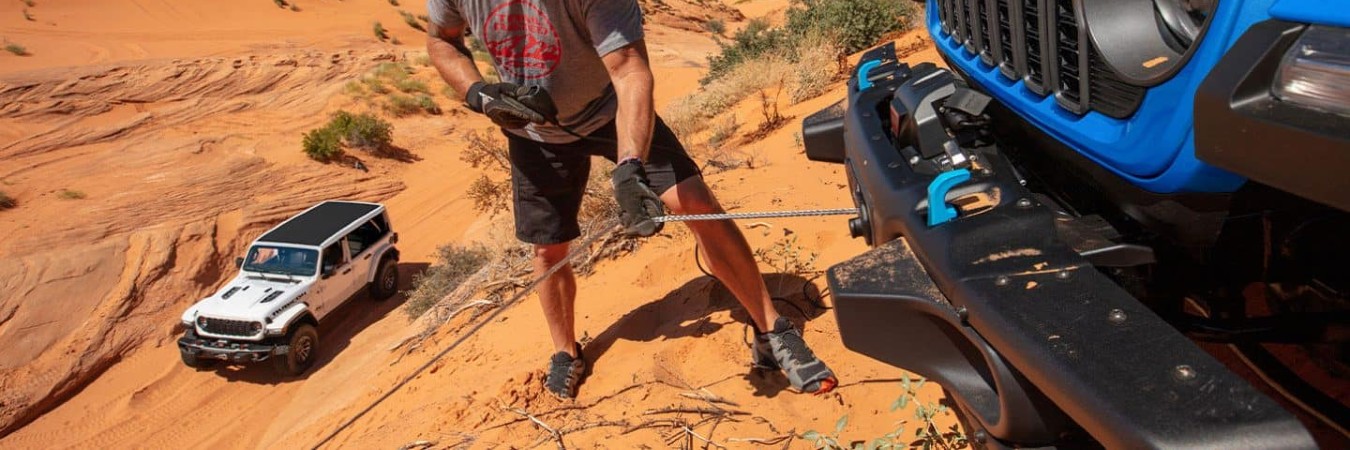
{"points": [[758, 215], [576, 250]]}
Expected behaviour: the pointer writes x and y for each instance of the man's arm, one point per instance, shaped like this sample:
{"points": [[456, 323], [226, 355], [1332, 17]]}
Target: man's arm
{"points": [[631, 74], [454, 60]]}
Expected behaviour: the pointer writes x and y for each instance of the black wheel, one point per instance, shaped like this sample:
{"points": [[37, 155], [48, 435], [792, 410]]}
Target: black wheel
{"points": [[192, 360], [304, 342], [386, 280]]}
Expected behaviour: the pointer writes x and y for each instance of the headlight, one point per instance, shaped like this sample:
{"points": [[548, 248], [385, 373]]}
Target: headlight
{"points": [[1315, 72], [201, 322], [255, 327]]}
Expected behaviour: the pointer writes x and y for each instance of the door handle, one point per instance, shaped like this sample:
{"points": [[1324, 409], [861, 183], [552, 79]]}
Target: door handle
{"points": [[349, 270], [367, 256]]}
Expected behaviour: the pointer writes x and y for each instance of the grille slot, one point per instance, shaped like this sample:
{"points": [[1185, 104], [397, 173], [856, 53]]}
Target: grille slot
{"points": [[226, 327], [1043, 43]]}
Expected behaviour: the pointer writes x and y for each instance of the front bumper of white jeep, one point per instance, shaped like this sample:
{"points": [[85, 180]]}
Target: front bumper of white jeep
{"points": [[227, 350]]}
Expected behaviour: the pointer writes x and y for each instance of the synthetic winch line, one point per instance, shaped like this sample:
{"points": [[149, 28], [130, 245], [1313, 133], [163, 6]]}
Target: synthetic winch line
{"points": [[758, 215], [576, 251]]}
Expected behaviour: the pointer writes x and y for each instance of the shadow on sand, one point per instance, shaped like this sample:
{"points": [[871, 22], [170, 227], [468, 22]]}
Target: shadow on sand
{"points": [[335, 333], [685, 313]]}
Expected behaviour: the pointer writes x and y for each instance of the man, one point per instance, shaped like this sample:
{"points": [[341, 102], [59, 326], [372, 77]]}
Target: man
{"points": [[590, 55]]}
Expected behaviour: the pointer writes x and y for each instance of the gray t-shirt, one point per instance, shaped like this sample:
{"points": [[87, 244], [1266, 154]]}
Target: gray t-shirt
{"points": [[554, 44]]}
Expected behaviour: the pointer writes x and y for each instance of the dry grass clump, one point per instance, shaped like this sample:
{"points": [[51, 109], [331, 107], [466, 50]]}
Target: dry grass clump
{"points": [[411, 20], [69, 194], [690, 114], [454, 264], [17, 49], [392, 88]]}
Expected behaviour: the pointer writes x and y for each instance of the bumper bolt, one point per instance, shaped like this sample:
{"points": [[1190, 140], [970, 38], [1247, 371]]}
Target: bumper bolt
{"points": [[1002, 280], [1116, 316], [1023, 203], [1063, 274], [1185, 373]]}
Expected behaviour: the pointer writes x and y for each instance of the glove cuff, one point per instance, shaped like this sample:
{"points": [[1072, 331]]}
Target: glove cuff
{"points": [[473, 99]]}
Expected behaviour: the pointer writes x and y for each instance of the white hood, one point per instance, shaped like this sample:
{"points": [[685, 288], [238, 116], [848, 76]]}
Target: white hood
{"points": [[250, 298]]}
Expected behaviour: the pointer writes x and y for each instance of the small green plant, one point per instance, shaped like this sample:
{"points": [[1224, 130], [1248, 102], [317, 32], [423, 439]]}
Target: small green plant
{"points": [[380, 32], [454, 264], [411, 85], [715, 26], [17, 49], [401, 105], [427, 104], [375, 85], [392, 71], [787, 257], [411, 20], [69, 194], [7, 202], [423, 60], [322, 144]]}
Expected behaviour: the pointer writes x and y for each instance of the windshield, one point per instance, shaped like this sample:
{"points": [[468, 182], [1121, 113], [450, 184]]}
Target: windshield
{"points": [[282, 260]]}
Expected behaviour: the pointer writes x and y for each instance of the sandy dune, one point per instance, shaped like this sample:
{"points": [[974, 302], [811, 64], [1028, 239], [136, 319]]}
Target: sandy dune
{"points": [[180, 123]]}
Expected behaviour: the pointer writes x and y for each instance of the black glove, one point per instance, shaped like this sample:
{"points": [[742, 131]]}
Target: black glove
{"points": [[637, 203], [499, 102]]}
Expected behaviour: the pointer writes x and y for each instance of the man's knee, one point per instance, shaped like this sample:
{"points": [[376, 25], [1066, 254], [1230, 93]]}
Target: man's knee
{"points": [[550, 254], [691, 196]]}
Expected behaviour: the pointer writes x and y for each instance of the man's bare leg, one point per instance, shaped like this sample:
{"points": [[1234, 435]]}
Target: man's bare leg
{"points": [[557, 295], [728, 254]]}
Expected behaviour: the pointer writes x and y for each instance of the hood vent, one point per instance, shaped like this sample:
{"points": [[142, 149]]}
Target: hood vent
{"points": [[272, 296], [228, 293]]}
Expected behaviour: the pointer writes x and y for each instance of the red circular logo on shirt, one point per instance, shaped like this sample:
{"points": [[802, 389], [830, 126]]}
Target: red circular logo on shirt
{"points": [[522, 40]]}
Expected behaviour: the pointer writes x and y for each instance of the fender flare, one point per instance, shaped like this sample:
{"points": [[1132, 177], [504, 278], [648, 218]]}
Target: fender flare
{"points": [[287, 317], [385, 249]]}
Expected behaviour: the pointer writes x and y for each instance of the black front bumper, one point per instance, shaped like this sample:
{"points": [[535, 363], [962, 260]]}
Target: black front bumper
{"points": [[1022, 329], [226, 350]]}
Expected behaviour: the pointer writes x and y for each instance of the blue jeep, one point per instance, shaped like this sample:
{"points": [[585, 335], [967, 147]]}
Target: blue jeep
{"points": [[1094, 186]]}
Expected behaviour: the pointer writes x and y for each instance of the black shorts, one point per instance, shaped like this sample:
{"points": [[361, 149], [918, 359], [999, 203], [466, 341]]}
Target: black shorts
{"points": [[548, 180]]}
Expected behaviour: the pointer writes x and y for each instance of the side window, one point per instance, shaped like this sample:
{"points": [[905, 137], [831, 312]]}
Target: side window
{"points": [[333, 257], [365, 236]]}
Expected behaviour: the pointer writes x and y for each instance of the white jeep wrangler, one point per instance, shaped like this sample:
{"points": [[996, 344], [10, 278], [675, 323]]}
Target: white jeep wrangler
{"points": [[293, 276]]}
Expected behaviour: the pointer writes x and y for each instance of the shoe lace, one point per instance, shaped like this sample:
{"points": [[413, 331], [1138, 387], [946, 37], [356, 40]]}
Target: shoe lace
{"points": [[559, 372], [796, 347]]}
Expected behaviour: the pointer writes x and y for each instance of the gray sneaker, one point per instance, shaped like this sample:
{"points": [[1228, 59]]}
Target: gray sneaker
{"points": [[565, 373], [783, 348]]}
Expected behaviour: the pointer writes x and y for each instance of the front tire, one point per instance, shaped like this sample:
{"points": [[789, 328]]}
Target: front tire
{"points": [[386, 280], [303, 342]]}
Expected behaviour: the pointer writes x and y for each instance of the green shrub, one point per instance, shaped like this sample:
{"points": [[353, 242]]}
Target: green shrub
{"points": [[848, 25], [380, 32], [854, 24], [7, 202], [17, 49], [411, 20], [715, 26], [364, 131], [375, 85], [392, 70], [454, 264], [323, 144], [427, 104], [755, 40], [401, 105], [411, 85], [68, 194]]}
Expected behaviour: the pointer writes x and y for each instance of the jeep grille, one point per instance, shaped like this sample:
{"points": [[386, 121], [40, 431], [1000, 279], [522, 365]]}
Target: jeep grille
{"points": [[1043, 43], [225, 327]]}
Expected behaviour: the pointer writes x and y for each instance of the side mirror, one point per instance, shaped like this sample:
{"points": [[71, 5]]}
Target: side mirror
{"points": [[239, 261]]}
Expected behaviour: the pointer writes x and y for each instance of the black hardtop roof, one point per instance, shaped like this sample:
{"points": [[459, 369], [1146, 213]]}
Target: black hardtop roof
{"points": [[317, 224]]}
